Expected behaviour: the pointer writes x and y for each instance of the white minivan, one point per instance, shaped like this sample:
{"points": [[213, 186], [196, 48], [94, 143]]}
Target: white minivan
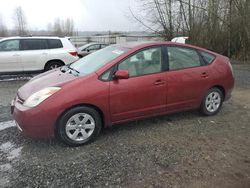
{"points": [[26, 54]]}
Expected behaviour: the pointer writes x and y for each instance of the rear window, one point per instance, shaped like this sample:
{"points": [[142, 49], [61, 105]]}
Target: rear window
{"points": [[33, 44], [54, 43], [209, 58]]}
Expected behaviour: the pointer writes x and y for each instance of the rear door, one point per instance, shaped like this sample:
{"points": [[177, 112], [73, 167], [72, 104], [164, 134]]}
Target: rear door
{"points": [[34, 54], [188, 78], [10, 56], [144, 92]]}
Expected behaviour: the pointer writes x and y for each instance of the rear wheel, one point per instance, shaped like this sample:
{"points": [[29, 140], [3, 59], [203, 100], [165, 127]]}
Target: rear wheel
{"points": [[53, 65], [212, 102], [79, 125]]}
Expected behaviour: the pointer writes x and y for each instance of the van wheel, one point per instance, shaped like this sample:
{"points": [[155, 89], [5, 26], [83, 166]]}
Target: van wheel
{"points": [[212, 102], [53, 65], [79, 125]]}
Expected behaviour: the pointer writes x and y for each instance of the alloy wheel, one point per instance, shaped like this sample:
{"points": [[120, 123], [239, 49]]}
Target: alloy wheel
{"points": [[213, 101], [80, 127]]}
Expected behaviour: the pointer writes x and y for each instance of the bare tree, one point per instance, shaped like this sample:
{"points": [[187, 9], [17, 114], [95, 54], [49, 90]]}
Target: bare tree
{"points": [[57, 27], [220, 25], [69, 27], [20, 21], [3, 28], [63, 27]]}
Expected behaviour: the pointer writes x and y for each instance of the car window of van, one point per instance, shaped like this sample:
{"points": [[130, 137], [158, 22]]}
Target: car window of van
{"points": [[33, 44], [9, 45], [54, 43]]}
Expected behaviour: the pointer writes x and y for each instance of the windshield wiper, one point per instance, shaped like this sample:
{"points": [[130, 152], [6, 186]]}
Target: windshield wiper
{"points": [[67, 67], [63, 69]]}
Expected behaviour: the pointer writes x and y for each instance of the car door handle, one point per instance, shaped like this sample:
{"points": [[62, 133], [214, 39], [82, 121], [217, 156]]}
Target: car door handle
{"points": [[159, 82], [204, 75], [44, 53], [15, 55]]}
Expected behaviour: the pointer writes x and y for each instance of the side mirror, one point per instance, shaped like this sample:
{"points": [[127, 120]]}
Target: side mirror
{"points": [[121, 74]]}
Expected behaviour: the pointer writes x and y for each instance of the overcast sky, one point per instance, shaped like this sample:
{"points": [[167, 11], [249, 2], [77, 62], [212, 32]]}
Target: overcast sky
{"points": [[88, 15]]}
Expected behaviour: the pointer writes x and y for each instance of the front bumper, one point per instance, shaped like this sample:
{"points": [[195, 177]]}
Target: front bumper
{"points": [[18, 127], [33, 122]]}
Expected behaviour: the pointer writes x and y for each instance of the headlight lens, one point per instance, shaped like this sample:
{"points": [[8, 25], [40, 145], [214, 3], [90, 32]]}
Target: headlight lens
{"points": [[40, 96]]}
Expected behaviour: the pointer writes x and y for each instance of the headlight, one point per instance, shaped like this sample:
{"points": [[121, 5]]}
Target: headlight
{"points": [[40, 96]]}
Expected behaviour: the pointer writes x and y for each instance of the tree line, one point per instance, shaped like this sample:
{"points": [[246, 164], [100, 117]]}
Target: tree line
{"points": [[220, 25], [59, 27]]}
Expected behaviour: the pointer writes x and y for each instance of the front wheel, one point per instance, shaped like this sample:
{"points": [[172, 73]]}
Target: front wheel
{"points": [[79, 125], [53, 65], [212, 102]]}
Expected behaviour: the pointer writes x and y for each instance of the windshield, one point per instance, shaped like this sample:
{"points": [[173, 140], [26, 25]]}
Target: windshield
{"points": [[98, 59]]}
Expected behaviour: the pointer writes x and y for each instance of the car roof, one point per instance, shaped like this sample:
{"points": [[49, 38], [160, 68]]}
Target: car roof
{"points": [[31, 37], [145, 44]]}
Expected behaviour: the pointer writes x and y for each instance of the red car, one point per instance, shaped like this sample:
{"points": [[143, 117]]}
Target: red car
{"points": [[121, 83]]}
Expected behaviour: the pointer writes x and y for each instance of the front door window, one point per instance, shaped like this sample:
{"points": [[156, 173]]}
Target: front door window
{"points": [[148, 61]]}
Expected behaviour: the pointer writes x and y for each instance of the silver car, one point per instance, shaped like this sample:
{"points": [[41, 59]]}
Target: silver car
{"points": [[90, 48]]}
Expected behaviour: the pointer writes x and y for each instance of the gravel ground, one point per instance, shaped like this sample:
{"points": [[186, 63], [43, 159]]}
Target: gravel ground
{"points": [[179, 150]]}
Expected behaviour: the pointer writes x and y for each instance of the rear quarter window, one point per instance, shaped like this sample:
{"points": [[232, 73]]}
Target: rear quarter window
{"points": [[54, 43], [208, 58]]}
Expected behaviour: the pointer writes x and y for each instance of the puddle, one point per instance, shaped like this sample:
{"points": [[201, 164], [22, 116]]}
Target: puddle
{"points": [[5, 167], [11, 152], [4, 181], [15, 153], [7, 124], [6, 147]]}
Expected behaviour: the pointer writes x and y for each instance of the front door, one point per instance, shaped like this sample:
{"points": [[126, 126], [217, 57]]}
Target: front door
{"points": [[144, 92], [10, 56]]}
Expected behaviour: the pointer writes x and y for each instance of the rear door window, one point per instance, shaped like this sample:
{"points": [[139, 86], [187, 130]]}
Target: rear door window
{"points": [[54, 43], [181, 58], [33, 44]]}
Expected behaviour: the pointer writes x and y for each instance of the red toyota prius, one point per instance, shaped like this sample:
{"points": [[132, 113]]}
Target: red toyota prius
{"points": [[121, 83]]}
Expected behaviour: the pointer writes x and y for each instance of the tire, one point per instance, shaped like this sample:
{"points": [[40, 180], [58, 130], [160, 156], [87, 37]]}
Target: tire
{"points": [[78, 126], [212, 102], [53, 65]]}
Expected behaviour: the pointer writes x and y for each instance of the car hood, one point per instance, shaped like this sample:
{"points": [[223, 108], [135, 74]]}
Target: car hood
{"points": [[41, 81]]}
